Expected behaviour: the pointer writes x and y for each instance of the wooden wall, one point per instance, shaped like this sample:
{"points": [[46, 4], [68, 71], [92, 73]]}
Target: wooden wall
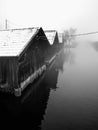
{"points": [[34, 56], [8, 72]]}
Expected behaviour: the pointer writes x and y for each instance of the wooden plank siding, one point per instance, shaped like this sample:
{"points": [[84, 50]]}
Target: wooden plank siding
{"points": [[8, 73], [56, 40]]}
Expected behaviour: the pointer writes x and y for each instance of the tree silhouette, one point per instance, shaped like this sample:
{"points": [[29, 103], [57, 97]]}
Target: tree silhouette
{"points": [[68, 36]]}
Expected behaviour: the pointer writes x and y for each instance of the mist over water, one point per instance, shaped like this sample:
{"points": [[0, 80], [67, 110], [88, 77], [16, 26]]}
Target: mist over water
{"points": [[74, 105]]}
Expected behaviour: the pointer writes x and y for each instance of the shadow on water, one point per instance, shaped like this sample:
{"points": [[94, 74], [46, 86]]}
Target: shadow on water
{"points": [[60, 61], [28, 111]]}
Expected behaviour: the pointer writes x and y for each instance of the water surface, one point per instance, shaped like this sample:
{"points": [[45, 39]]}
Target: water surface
{"points": [[74, 105]]}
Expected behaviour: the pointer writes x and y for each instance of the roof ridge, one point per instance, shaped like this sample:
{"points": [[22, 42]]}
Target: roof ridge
{"points": [[20, 29], [50, 30]]}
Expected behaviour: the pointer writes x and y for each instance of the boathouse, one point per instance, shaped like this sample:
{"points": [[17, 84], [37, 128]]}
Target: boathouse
{"points": [[22, 52], [55, 46], [52, 36], [60, 36]]}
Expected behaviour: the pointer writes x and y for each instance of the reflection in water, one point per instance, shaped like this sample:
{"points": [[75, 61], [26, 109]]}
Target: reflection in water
{"points": [[60, 61], [28, 114], [69, 56], [95, 45], [28, 111]]}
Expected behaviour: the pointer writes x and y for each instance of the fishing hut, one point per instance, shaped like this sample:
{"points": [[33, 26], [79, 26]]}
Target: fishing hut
{"points": [[22, 57], [52, 36]]}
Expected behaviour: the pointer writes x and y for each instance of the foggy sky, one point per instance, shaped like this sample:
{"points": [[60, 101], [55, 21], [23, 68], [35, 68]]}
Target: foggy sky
{"points": [[52, 14]]}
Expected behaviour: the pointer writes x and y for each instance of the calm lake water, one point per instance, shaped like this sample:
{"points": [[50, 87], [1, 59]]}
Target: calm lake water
{"points": [[64, 98]]}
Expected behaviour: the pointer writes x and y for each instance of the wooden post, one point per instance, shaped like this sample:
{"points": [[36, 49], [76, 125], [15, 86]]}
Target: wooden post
{"points": [[6, 24], [17, 89]]}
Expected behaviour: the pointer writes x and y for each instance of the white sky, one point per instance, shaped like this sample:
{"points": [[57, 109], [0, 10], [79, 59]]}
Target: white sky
{"points": [[52, 14]]}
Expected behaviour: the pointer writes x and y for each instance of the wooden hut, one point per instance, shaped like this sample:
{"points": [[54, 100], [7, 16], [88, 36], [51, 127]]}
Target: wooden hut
{"points": [[22, 52], [60, 36], [55, 46], [52, 36]]}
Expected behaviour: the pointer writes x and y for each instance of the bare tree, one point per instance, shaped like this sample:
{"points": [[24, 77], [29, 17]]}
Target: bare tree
{"points": [[68, 36]]}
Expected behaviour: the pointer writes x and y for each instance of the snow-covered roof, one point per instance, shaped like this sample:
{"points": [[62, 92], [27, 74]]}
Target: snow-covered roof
{"points": [[50, 34], [13, 42]]}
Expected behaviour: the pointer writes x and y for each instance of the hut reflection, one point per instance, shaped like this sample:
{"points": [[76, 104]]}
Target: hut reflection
{"points": [[24, 112]]}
